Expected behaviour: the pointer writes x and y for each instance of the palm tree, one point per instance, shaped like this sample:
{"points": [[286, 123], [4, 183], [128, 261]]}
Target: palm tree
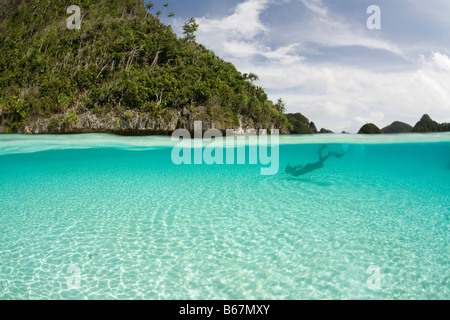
{"points": [[280, 106], [251, 76], [149, 7], [158, 13], [166, 5], [171, 15], [189, 29]]}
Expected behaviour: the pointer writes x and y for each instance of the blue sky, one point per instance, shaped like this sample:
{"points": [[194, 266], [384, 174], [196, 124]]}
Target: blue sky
{"points": [[320, 57]]}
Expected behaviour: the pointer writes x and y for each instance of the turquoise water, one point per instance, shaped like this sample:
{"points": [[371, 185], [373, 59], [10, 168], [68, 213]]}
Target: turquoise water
{"points": [[135, 226]]}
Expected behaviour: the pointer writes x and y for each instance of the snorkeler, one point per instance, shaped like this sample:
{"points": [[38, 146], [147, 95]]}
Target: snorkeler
{"points": [[301, 170]]}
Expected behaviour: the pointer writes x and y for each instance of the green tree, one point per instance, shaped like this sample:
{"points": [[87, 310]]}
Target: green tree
{"points": [[251, 76], [166, 5], [149, 8], [280, 106], [127, 63], [189, 29]]}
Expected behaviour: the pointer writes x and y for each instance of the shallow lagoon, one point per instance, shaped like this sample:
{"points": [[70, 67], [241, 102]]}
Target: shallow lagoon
{"points": [[100, 217]]}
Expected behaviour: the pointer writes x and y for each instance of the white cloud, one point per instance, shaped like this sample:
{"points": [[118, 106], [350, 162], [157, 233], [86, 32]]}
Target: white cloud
{"points": [[331, 30], [439, 61], [374, 117], [240, 49], [244, 23], [317, 7], [233, 35], [284, 54], [335, 96]]}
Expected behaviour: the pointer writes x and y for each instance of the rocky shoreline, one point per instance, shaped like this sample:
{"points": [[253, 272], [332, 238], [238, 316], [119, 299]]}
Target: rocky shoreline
{"points": [[133, 123], [130, 123]]}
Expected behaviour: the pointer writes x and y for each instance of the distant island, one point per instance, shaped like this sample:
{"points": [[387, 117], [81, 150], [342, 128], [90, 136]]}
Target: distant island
{"points": [[302, 125], [425, 125], [299, 124]]}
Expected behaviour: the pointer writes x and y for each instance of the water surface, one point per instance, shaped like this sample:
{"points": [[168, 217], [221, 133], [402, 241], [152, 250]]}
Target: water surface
{"points": [[136, 226]]}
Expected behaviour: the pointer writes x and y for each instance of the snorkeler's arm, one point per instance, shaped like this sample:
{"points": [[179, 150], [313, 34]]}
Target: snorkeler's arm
{"points": [[321, 149], [337, 155]]}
